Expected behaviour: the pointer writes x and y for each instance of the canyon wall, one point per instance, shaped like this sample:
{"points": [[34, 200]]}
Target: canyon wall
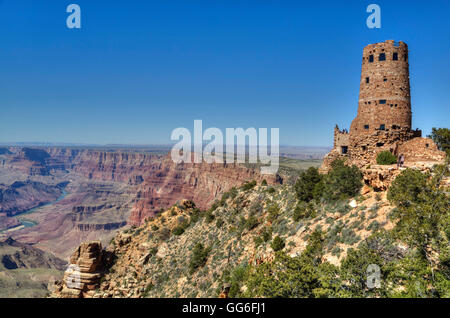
{"points": [[160, 182], [201, 183]]}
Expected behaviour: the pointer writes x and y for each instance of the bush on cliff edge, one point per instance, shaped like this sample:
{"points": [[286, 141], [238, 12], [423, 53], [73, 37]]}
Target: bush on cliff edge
{"points": [[386, 158]]}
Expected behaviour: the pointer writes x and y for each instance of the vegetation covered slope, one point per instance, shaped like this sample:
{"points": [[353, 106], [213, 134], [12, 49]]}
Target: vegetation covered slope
{"points": [[318, 238]]}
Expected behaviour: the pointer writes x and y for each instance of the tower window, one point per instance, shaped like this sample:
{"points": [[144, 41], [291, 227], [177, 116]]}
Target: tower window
{"points": [[382, 57], [405, 57], [380, 144], [366, 126], [370, 58], [384, 79], [382, 101], [364, 148], [382, 127], [395, 56], [344, 149], [367, 80]]}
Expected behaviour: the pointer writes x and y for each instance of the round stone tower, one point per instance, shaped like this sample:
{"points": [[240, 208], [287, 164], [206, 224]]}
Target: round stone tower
{"points": [[384, 94], [383, 121]]}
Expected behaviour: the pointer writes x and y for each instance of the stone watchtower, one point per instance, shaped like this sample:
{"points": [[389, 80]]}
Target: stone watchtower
{"points": [[384, 93], [383, 120]]}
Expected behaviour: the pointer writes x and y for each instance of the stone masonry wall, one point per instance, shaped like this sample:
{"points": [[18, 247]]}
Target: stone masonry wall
{"points": [[383, 120]]}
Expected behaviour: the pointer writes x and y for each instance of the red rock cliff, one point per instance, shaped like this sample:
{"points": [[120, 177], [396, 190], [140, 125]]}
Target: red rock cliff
{"points": [[162, 181], [201, 183]]}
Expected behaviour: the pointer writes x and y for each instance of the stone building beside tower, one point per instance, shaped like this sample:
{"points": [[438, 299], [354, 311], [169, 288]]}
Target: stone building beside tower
{"points": [[383, 121]]}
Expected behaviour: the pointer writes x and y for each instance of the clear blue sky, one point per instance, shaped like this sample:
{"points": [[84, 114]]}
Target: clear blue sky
{"points": [[138, 69]]}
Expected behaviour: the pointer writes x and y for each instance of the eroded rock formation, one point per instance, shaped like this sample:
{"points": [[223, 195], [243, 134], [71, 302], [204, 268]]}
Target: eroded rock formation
{"points": [[84, 272]]}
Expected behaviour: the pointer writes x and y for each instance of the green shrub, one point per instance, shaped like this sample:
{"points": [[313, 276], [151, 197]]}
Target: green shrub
{"points": [[209, 216], [231, 194], [273, 211], [264, 183], [248, 185], [267, 234], [257, 240], [386, 158], [251, 223], [219, 223], [198, 258], [441, 136], [407, 187], [304, 210], [271, 190], [195, 216], [147, 290], [304, 187], [341, 182], [278, 244], [178, 230], [374, 226]]}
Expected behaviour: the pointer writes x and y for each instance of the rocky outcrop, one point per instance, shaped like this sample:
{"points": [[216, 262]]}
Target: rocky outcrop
{"points": [[380, 177], [84, 271]]}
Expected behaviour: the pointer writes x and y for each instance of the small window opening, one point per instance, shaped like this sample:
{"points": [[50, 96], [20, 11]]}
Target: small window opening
{"points": [[395, 56], [364, 148], [384, 79], [344, 149], [382, 127], [382, 101], [366, 126], [370, 58], [367, 80], [380, 144], [382, 57]]}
